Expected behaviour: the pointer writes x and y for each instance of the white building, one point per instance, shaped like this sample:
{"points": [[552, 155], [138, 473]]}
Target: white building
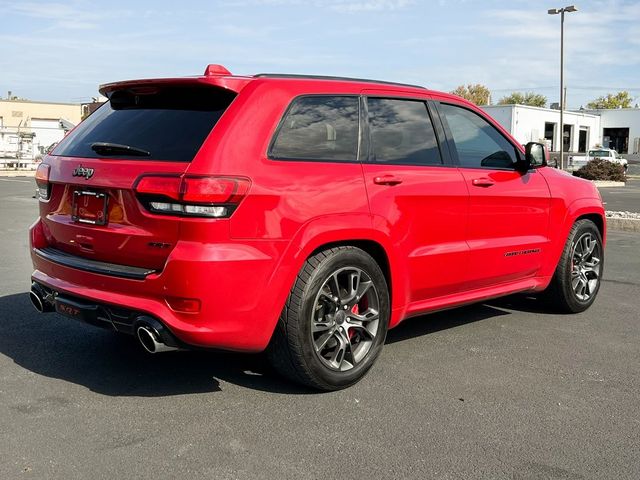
{"points": [[620, 129], [28, 128], [535, 124], [615, 128]]}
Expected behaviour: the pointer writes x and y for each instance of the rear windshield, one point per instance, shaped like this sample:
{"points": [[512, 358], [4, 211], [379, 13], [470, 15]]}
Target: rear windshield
{"points": [[598, 153], [156, 123]]}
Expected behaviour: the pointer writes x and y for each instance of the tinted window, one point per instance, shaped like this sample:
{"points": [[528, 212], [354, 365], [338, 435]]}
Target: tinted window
{"points": [[401, 132], [478, 143], [169, 123], [319, 128]]}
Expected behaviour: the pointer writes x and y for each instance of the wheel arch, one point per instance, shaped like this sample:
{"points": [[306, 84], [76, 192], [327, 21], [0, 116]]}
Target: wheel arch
{"points": [[381, 249], [562, 293], [373, 248], [326, 232], [597, 219], [585, 208]]}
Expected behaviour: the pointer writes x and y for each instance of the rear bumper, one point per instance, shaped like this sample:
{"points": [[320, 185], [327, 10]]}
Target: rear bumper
{"points": [[102, 315], [228, 279]]}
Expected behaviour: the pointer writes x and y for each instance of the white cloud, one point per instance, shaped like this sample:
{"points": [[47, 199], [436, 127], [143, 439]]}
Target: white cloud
{"points": [[343, 6], [598, 38], [440, 44], [72, 15], [599, 35], [347, 6]]}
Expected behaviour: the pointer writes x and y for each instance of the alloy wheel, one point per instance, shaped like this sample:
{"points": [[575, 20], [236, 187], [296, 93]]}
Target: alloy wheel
{"points": [[585, 266], [345, 318]]}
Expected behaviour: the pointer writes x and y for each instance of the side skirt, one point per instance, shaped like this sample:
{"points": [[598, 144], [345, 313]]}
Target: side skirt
{"points": [[534, 284]]}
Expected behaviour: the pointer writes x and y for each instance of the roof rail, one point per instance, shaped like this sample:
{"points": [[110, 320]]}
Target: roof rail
{"points": [[326, 77]]}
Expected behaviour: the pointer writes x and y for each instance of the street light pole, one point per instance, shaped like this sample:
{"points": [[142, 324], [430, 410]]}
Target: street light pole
{"points": [[562, 90], [561, 11]]}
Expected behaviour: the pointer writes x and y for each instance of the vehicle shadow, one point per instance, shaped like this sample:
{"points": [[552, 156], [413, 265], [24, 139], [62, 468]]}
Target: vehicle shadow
{"points": [[115, 365], [456, 317], [443, 320]]}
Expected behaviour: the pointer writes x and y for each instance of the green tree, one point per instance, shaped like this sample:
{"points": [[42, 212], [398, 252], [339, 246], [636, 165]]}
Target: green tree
{"points": [[478, 94], [618, 100], [528, 98]]}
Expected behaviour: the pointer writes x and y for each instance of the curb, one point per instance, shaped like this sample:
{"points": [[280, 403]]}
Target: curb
{"points": [[623, 224], [17, 173], [607, 183]]}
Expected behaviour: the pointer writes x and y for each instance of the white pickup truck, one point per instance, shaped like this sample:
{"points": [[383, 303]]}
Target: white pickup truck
{"points": [[575, 162]]}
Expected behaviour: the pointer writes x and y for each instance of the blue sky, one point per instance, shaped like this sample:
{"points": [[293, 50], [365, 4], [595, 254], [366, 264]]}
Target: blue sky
{"points": [[62, 50]]}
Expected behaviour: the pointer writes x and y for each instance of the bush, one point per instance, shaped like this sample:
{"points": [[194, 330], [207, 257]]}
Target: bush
{"points": [[599, 169]]}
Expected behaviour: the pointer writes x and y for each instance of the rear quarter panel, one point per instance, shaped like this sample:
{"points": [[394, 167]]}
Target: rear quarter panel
{"points": [[297, 205]]}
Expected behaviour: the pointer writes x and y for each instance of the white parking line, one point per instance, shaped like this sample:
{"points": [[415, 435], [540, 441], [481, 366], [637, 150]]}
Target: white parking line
{"points": [[12, 180]]}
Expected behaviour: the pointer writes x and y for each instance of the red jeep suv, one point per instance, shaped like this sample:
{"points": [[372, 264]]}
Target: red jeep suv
{"points": [[300, 215]]}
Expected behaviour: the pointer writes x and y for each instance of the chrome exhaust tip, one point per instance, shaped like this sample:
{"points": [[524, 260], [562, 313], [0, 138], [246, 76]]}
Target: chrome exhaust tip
{"points": [[151, 341], [36, 301], [39, 299]]}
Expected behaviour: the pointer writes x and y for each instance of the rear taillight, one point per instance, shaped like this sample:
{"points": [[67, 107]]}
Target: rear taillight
{"points": [[42, 181], [160, 185], [193, 196]]}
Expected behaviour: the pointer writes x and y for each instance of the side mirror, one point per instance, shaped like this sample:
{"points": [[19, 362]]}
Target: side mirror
{"points": [[536, 155]]}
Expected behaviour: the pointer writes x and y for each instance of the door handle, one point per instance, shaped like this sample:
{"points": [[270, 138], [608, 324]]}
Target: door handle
{"points": [[387, 180], [482, 182]]}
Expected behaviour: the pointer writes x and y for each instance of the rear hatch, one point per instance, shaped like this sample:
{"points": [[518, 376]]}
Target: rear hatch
{"points": [[93, 210]]}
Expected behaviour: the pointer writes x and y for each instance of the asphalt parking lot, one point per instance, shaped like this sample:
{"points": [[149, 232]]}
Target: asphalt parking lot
{"points": [[623, 199], [500, 390]]}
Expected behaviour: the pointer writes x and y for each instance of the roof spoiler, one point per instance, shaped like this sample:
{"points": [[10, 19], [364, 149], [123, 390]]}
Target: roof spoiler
{"points": [[217, 70]]}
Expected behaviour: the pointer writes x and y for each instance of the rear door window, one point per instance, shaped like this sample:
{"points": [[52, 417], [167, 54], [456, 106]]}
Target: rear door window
{"points": [[322, 127], [158, 123], [402, 132]]}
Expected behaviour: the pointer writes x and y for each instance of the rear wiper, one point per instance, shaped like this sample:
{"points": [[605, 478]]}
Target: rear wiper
{"points": [[106, 148]]}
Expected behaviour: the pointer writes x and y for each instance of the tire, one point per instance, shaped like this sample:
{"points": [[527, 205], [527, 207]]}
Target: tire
{"points": [[328, 337], [577, 278]]}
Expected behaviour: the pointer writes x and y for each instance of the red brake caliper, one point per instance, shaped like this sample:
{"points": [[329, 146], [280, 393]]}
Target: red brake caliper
{"points": [[355, 310]]}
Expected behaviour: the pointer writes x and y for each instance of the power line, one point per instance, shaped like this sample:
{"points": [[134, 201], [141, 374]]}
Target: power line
{"points": [[569, 87], [634, 89]]}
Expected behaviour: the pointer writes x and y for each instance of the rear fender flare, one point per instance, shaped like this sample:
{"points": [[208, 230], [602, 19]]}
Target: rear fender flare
{"points": [[328, 230]]}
